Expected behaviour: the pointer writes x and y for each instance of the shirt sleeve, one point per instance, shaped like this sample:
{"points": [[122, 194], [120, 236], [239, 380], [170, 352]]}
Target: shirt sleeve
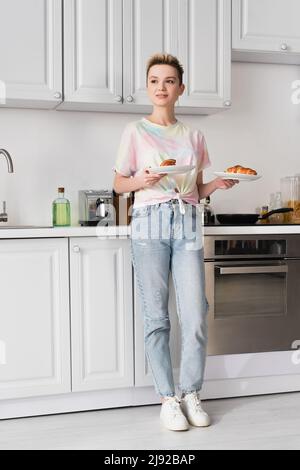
{"points": [[126, 156], [202, 153]]}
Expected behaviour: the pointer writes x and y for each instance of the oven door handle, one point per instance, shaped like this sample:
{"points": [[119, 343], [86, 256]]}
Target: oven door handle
{"points": [[252, 269]]}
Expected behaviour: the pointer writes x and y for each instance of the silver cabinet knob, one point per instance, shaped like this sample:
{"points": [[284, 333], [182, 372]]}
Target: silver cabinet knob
{"points": [[227, 103], [284, 47], [57, 95], [76, 249], [129, 99], [118, 99]]}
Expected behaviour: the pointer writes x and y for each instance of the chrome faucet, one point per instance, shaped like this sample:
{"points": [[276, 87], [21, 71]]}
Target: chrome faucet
{"points": [[8, 159], [3, 215]]}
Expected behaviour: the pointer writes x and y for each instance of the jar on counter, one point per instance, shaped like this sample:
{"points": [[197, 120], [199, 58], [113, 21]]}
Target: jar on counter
{"points": [[290, 189], [276, 203], [272, 201]]}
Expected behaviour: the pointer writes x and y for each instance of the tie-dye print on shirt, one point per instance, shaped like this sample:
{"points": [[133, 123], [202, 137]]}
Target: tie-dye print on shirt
{"points": [[144, 144]]}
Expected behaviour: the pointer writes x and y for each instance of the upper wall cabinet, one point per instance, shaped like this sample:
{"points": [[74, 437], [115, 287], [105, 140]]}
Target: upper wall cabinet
{"points": [[103, 54], [92, 54], [197, 32], [149, 27], [204, 47], [266, 31], [31, 53], [107, 45]]}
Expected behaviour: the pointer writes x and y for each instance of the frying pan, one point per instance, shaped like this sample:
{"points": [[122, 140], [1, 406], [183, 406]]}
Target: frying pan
{"points": [[247, 219]]}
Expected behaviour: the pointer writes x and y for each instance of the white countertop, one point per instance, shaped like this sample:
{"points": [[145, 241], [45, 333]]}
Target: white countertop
{"points": [[123, 231]]}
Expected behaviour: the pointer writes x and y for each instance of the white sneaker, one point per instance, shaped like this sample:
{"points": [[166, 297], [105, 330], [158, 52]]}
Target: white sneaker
{"points": [[171, 415], [191, 407]]}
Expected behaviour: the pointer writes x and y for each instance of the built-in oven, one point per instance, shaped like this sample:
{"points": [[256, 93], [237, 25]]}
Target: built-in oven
{"points": [[253, 290]]}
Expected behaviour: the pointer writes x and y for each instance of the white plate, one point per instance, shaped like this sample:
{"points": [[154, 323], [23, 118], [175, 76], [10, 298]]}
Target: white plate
{"points": [[172, 169], [236, 176]]}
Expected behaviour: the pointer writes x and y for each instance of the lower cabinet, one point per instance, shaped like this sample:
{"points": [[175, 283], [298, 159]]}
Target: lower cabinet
{"points": [[34, 318], [101, 314], [143, 376], [43, 349]]}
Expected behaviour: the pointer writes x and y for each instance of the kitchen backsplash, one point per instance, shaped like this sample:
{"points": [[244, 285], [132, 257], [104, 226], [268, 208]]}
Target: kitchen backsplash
{"points": [[77, 150]]}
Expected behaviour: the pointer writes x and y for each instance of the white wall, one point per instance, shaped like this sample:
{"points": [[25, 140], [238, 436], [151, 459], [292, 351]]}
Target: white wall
{"points": [[77, 150], [262, 130]]}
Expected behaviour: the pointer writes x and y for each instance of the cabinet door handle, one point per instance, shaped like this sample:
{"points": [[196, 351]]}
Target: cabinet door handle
{"points": [[129, 99], [118, 99], [76, 249], [227, 103], [284, 47], [57, 95]]}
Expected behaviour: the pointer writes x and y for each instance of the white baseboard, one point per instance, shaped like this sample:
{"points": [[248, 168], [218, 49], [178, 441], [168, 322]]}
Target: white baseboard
{"points": [[137, 396]]}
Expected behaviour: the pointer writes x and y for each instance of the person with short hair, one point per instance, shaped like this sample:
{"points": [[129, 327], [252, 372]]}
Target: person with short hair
{"points": [[166, 237]]}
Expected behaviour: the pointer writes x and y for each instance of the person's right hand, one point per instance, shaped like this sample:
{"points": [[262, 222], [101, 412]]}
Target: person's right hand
{"points": [[225, 184], [147, 179]]}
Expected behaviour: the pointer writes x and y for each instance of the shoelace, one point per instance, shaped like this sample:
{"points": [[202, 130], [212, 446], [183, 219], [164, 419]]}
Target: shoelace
{"points": [[175, 405], [195, 400]]}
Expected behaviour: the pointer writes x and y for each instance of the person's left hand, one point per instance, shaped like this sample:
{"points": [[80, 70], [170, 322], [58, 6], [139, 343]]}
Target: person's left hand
{"points": [[225, 184]]}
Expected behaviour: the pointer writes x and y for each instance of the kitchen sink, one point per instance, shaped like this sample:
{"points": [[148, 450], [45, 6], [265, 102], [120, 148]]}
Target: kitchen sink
{"points": [[8, 227]]}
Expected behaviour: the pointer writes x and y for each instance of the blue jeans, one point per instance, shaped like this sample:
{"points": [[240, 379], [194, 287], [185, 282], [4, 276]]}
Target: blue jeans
{"points": [[163, 240]]}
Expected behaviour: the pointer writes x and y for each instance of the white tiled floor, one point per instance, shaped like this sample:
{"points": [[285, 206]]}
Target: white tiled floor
{"points": [[261, 422]]}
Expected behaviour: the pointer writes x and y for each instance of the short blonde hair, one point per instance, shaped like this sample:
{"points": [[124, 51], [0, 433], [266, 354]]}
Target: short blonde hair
{"points": [[166, 59]]}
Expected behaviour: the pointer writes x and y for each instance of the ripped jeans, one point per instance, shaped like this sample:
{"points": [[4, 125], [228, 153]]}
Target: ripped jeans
{"points": [[162, 241]]}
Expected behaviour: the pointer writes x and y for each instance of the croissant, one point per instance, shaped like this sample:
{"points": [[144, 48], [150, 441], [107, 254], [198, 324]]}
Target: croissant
{"points": [[241, 169], [168, 162], [247, 171], [233, 169], [250, 171]]}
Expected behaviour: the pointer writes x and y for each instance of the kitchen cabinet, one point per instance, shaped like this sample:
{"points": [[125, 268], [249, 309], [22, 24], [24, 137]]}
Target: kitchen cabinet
{"points": [[266, 31], [31, 53], [101, 314], [40, 270], [107, 45], [34, 318], [204, 47], [92, 54], [143, 376]]}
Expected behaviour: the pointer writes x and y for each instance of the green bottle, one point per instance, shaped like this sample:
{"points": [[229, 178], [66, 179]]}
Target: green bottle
{"points": [[61, 210]]}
